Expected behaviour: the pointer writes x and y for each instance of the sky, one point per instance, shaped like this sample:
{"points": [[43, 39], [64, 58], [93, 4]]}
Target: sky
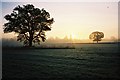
{"points": [[75, 19]]}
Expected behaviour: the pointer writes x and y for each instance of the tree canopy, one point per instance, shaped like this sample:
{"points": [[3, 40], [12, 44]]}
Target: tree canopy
{"points": [[96, 36], [29, 22]]}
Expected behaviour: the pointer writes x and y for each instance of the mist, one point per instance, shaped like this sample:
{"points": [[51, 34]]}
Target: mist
{"points": [[10, 42], [51, 42]]}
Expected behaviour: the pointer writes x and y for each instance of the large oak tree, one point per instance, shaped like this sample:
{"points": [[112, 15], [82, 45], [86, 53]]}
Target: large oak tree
{"points": [[29, 22]]}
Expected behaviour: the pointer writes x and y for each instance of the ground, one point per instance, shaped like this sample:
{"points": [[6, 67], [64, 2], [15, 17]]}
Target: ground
{"points": [[84, 61]]}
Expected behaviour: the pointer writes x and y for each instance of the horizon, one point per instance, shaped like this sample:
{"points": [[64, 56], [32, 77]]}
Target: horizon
{"points": [[64, 40]]}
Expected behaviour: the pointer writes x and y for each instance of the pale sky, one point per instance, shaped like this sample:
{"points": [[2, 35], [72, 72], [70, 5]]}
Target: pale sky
{"points": [[77, 19]]}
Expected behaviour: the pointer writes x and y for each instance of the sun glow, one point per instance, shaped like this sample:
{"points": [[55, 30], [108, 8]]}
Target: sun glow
{"points": [[74, 36], [77, 36], [85, 18]]}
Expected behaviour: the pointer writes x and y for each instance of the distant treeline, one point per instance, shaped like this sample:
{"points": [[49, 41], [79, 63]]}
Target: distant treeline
{"points": [[13, 42]]}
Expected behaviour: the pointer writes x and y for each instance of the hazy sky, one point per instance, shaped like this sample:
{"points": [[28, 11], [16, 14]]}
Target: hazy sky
{"points": [[77, 19]]}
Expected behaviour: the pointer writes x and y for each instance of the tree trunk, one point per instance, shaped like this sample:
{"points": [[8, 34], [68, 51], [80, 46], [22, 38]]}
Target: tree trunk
{"points": [[30, 40], [97, 41], [97, 38], [30, 43]]}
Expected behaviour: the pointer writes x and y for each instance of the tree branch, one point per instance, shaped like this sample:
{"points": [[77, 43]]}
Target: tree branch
{"points": [[26, 36]]}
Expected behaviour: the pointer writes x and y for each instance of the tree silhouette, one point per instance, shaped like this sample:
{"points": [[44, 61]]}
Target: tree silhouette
{"points": [[29, 22], [96, 36]]}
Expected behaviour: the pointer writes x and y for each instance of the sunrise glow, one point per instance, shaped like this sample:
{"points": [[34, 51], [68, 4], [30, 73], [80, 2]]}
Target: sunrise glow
{"points": [[75, 20]]}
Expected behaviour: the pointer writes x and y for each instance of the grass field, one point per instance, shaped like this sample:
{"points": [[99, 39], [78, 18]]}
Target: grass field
{"points": [[84, 61]]}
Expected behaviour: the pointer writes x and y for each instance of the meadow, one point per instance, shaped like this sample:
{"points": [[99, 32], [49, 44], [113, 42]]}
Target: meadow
{"points": [[66, 62]]}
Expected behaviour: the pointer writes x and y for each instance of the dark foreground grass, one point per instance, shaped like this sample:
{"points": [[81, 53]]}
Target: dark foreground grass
{"points": [[59, 64], [39, 47]]}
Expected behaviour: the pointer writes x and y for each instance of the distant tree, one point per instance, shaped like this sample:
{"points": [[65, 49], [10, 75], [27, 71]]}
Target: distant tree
{"points": [[29, 22], [96, 36]]}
